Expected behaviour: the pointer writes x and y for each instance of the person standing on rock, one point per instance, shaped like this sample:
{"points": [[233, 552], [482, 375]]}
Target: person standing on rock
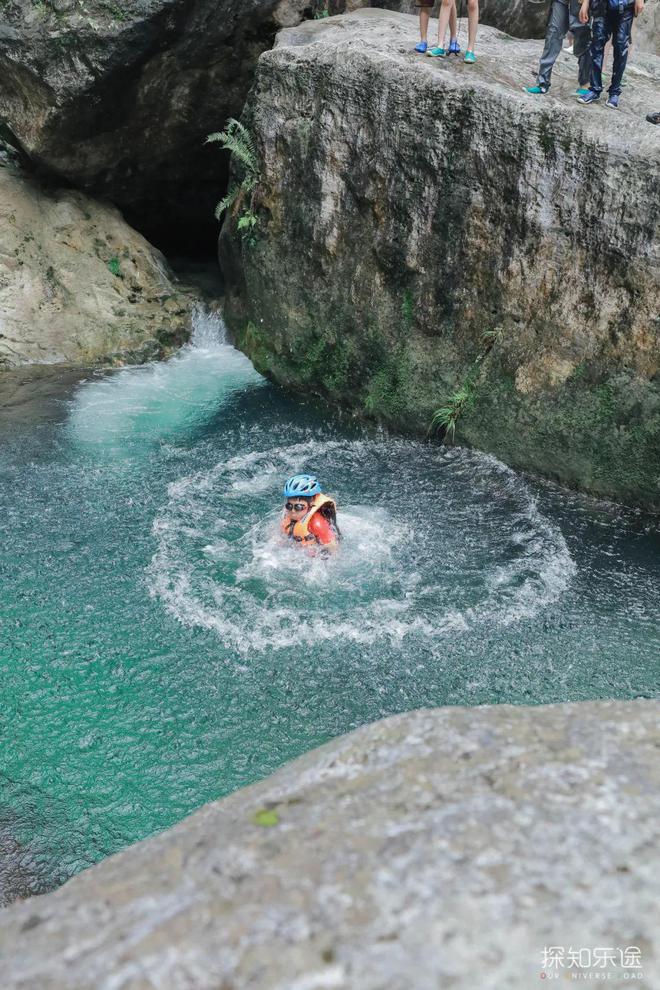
{"points": [[425, 7], [446, 10], [564, 17], [611, 19]]}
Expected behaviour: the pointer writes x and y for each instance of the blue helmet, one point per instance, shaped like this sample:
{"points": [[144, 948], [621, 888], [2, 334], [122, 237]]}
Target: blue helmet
{"points": [[302, 485]]}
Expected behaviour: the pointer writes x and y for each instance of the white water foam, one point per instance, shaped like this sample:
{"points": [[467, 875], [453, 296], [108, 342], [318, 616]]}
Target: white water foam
{"points": [[154, 401], [471, 550]]}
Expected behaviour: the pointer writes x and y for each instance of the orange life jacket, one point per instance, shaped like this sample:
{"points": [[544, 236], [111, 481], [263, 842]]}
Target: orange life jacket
{"points": [[299, 531]]}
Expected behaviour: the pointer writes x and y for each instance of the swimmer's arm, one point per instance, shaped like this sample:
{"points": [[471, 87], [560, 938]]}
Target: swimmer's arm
{"points": [[323, 531]]}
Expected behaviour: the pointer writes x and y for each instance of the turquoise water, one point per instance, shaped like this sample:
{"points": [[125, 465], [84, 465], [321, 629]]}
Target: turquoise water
{"points": [[159, 647]]}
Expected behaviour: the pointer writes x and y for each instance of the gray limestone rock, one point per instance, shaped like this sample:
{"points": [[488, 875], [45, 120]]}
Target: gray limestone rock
{"points": [[430, 237], [118, 98], [442, 848], [77, 284]]}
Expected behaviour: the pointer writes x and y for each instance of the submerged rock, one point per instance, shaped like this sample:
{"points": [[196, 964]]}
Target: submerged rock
{"points": [[77, 284], [437, 848], [430, 237]]}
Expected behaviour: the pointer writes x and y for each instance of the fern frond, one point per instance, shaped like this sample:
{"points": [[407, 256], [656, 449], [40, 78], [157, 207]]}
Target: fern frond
{"points": [[227, 200], [237, 140]]}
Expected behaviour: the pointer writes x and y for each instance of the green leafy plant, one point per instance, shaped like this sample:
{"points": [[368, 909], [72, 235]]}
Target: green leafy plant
{"points": [[445, 419], [115, 267], [237, 140]]}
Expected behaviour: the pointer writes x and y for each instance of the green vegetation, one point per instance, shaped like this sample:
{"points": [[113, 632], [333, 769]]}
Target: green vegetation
{"points": [[237, 140], [462, 400], [115, 267], [115, 11], [445, 418], [266, 818]]}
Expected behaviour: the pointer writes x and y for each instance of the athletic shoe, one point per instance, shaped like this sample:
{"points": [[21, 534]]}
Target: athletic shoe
{"points": [[589, 97], [454, 47], [613, 102], [536, 90], [470, 58], [436, 52], [653, 118], [421, 47], [581, 92]]}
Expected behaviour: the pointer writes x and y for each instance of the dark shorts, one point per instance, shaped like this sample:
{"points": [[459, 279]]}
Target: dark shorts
{"points": [[424, 3]]}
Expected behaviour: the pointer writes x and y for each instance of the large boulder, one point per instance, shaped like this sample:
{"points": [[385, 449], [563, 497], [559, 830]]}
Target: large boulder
{"points": [[118, 98], [430, 237], [646, 32], [77, 284], [444, 848]]}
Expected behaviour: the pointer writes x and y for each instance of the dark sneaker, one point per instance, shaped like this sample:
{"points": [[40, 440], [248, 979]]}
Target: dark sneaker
{"points": [[589, 97], [653, 118], [454, 47], [613, 103]]}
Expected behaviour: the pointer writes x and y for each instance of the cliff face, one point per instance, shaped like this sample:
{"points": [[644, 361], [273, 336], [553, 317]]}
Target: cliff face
{"points": [[118, 97], [436, 848], [431, 237], [77, 285]]}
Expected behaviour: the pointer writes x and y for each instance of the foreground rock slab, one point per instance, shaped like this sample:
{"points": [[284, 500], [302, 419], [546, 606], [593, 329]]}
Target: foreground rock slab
{"points": [[77, 284], [431, 237], [438, 848]]}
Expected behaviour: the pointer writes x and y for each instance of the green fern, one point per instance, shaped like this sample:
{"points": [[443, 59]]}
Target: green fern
{"points": [[227, 200], [237, 140], [446, 418]]}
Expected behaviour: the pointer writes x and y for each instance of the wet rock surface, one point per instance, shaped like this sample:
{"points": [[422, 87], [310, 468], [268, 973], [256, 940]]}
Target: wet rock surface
{"points": [[431, 237], [77, 284], [436, 848]]}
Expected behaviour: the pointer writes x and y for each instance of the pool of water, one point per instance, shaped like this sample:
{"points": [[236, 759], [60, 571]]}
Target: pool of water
{"points": [[159, 647]]}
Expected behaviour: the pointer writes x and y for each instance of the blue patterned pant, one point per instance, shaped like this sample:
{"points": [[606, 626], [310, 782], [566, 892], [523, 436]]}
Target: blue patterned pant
{"points": [[617, 25]]}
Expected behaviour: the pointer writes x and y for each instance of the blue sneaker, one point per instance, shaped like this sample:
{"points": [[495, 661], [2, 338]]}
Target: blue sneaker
{"points": [[613, 102], [589, 97], [421, 47], [470, 58], [454, 47], [536, 90], [581, 92], [437, 52]]}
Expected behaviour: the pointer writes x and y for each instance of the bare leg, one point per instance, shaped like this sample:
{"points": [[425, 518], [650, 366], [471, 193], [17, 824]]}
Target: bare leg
{"points": [[424, 15], [443, 20], [473, 21], [453, 23]]}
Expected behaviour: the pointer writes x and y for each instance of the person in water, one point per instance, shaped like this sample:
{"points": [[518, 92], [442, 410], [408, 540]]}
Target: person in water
{"points": [[309, 517]]}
